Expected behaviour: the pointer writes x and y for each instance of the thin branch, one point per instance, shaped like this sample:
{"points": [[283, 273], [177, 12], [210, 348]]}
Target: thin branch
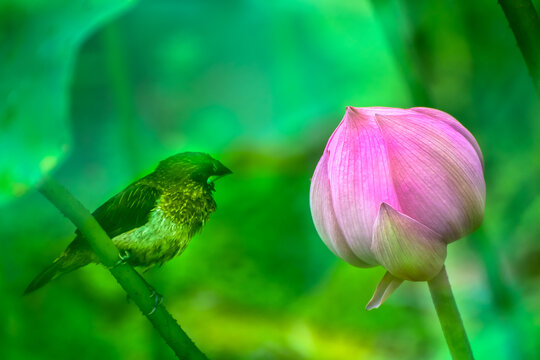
{"points": [[126, 276]]}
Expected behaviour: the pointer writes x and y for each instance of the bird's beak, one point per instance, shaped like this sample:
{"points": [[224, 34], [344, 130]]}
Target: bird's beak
{"points": [[220, 170]]}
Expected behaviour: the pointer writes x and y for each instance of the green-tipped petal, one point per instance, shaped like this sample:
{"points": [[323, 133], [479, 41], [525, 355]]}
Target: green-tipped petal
{"points": [[406, 248], [436, 171]]}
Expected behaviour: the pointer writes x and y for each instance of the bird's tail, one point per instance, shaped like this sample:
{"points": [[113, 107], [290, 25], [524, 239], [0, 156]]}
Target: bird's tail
{"points": [[60, 266]]}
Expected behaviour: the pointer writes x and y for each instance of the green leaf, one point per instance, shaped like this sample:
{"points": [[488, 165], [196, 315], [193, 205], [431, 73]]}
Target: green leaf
{"points": [[38, 44]]}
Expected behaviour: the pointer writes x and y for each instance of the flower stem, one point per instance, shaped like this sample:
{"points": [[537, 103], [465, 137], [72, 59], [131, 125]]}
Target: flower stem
{"points": [[134, 285], [525, 25], [449, 317]]}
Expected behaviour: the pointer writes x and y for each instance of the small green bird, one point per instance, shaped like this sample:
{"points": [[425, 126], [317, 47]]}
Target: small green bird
{"points": [[153, 219]]}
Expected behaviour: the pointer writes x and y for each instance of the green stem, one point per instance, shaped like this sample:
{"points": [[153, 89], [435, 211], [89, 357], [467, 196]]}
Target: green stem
{"points": [[525, 25], [399, 31], [121, 90], [449, 317], [127, 277]]}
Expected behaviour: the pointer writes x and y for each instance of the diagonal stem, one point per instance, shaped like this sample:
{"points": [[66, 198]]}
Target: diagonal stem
{"points": [[525, 24], [127, 277], [449, 317]]}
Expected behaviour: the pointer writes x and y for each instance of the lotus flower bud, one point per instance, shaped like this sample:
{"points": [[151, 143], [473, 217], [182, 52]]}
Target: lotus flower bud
{"points": [[394, 187]]}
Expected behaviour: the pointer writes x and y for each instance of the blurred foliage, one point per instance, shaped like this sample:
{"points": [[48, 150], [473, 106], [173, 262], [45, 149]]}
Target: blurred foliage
{"points": [[260, 86], [38, 43]]}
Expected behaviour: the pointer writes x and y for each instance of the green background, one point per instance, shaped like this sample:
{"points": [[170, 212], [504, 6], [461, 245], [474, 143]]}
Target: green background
{"points": [[107, 89]]}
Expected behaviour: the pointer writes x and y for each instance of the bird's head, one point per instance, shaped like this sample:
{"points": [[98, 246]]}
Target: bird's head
{"points": [[199, 167]]}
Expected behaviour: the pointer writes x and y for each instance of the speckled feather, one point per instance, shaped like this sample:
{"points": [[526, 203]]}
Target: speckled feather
{"points": [[152, 219]]}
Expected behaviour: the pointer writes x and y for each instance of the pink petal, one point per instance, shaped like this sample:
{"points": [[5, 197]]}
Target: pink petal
{"points": [[324, 217], [437, 173], [359, 175], [456, 125], [405, 247]]}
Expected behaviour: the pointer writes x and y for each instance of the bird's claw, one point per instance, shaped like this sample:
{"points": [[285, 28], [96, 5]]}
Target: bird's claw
{"points": [[158, 300], [124, 257]]}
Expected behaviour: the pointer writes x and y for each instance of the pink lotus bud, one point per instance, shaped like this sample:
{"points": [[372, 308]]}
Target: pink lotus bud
{"points": [[394, 187]]}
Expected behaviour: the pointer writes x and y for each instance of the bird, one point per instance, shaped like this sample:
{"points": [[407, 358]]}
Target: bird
{"points": [[152, 220]]}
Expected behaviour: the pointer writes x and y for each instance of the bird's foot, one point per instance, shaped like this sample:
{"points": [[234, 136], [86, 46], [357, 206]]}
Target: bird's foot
{"points": [[124, 257], [158, 299]]}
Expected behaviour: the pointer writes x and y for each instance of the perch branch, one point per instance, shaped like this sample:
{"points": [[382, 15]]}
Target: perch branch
{"points": [[126, 276]]}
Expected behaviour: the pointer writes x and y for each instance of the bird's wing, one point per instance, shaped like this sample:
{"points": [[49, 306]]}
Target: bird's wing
{"points": [[127, 210]]}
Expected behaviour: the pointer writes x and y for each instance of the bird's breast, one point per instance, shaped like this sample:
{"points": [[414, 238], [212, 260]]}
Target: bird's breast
{"points": [[159, 240], [191, 205], [177, 217]]}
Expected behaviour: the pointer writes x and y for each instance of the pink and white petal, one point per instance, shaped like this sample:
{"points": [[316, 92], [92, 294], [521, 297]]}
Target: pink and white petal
{"points": [[456, 125], [324, 217], [405, 247], [437, 174], [359, 174], [386, 287], [372, 110]]}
